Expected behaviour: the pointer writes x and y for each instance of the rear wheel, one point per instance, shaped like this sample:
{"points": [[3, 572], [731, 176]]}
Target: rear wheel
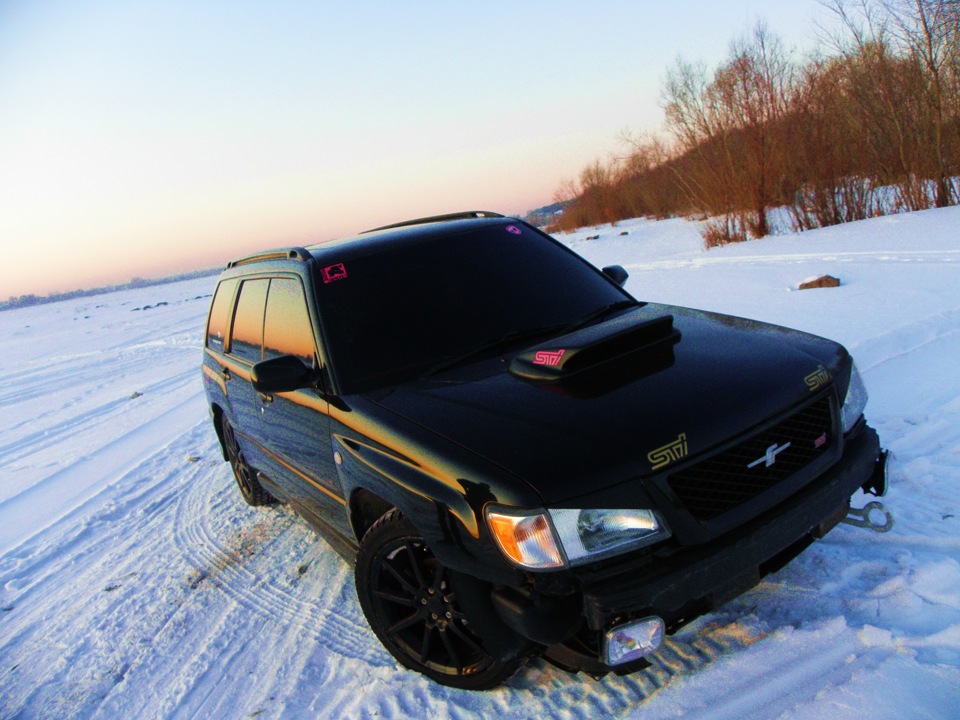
{"points": [[406, 595], [246, 477]]}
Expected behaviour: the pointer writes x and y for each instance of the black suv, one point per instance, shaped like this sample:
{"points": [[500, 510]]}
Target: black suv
{"points": [[521, 458]]}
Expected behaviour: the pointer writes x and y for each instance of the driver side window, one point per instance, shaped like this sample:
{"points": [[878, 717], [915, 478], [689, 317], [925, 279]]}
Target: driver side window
{"points": [[287, 329]]}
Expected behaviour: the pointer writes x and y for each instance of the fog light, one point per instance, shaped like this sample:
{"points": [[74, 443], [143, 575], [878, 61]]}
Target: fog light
{"points": [[632, 641]]}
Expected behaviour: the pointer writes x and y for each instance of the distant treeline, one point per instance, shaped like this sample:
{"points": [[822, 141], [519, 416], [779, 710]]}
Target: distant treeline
{"points": [[28, 300], [878, 108]]}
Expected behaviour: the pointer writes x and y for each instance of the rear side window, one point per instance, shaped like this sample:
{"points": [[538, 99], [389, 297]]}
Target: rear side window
{"points": [[287, 329], [220, 314], [247, 335]]}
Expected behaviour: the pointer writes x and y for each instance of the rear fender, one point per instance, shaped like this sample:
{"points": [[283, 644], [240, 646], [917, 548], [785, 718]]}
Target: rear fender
{"points": [[217, 413]]}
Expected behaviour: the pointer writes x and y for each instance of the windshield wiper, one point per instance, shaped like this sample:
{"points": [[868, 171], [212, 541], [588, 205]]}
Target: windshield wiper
{"points": [[505, 341], [598, 314]]}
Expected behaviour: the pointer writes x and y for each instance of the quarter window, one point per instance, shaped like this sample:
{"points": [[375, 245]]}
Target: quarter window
{"points": [[220, 314]]}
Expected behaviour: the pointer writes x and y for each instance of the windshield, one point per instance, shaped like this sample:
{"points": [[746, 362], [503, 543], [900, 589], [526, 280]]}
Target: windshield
{"points": [[394, 311]]}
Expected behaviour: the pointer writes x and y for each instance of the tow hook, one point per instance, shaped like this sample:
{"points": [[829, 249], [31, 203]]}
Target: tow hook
{"points": [[861, 518]]}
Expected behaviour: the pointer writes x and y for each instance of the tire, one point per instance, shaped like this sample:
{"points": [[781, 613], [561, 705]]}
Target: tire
{"points": [[406, 595], [246, 477]]}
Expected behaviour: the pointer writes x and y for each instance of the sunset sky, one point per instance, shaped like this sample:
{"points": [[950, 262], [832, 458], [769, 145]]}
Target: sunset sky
{"points": [[140, 137]]}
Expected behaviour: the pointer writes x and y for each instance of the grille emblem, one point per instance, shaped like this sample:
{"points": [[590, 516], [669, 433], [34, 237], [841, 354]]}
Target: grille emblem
{"points": [[770, 456]]}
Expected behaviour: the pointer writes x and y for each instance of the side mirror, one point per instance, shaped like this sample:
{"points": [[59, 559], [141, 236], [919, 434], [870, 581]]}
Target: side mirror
{"points": [[281, 374], [616, 273]]}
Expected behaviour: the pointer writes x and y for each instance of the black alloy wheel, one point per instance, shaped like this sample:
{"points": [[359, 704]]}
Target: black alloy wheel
{"points": [[406, 595], [246, 477]]}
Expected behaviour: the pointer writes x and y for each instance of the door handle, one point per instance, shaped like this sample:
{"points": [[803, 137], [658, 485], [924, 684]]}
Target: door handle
{"points": [[225, 371]]}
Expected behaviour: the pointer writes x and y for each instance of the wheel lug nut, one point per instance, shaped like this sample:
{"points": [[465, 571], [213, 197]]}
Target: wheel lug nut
{"points": [[423, 601], [433, 615], [449, 615]]}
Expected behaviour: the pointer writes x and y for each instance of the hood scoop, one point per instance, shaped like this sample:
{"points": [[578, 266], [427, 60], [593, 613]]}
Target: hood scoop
{"points": [[596, 347]]}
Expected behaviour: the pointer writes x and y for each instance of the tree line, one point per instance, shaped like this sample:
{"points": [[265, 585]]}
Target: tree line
{"points": [[868, 126]]}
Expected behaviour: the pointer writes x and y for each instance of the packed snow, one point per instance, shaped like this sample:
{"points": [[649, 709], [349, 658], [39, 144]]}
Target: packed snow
{"points": [[135, 583]]}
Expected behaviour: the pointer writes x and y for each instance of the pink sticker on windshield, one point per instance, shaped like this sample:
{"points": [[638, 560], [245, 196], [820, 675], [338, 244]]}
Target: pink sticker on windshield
{"points": [[333, 272], [513, 229]]}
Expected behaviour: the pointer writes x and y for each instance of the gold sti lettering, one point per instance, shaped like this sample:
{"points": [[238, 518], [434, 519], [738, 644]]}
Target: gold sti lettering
{"points": [[817, 379], [669, 453]]}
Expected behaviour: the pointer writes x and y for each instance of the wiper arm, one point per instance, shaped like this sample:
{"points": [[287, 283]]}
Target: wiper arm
{"points": [[508, 339], [598, 314]]}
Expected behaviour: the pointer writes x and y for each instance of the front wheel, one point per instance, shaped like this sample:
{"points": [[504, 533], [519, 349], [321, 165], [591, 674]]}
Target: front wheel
{"points": [[406, 595]]}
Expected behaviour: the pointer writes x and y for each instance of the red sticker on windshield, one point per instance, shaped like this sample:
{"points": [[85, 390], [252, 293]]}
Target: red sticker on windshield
{"points": [[333, 272], [513, 229]]}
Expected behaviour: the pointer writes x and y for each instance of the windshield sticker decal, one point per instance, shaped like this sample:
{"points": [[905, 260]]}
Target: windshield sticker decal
{"points": [[333, 272], [547, 357], [513, 229]]}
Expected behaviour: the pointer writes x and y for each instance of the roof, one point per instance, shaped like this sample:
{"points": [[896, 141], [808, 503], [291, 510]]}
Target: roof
{"points": [[408, 230]]}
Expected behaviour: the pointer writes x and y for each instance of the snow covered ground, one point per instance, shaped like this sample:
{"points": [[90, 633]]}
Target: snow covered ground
{"points": [[135, 583]]}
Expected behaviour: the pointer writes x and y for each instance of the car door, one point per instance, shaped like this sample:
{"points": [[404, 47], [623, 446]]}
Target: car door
{"points": [[243, 349], [296, 425]]}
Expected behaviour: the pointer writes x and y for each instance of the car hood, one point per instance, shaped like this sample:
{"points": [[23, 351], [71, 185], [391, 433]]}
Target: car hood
{"points": [[615, 422]]}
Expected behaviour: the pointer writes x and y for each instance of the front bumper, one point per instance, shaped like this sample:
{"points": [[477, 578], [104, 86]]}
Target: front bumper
{"points": [[695, 580]]}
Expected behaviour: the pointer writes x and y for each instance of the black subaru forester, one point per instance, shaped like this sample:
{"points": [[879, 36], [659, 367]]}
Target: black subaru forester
{"points": [[520, 458]]}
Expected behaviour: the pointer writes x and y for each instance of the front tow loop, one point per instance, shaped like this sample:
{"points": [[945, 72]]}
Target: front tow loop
{"points": [[861, 518]]}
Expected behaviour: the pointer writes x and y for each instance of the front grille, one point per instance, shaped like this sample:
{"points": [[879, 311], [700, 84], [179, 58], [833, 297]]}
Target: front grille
{"points": [[741, 473]]}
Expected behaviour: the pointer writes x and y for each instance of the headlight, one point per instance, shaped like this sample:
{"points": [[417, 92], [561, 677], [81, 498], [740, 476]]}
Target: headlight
{"points": [[855, 401], [555, 538], [591, 534]]}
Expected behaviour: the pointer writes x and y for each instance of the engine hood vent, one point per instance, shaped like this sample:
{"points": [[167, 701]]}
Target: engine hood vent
{"points": [[595, 347]]}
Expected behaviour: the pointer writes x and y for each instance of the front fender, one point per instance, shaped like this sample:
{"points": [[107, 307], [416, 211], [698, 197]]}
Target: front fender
{"points": [[445, 506]]}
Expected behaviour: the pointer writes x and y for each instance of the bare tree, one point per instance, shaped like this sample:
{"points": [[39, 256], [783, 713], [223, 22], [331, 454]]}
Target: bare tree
{"points": [[733, 124], [928, 30], [903, 60]]}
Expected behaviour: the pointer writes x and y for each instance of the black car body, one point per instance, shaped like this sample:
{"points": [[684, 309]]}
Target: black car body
{"points": [[521, 457]]}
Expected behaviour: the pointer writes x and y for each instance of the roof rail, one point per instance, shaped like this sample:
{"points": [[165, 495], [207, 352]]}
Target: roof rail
{"points": [[438, 218], [297, 253]]}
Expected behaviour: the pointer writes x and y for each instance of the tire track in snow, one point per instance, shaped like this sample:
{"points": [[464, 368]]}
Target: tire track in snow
{"points": [[64, 368], [89, 419], [896, 345], [46, 502], [228, 564], [93, 570], [827, 669]]}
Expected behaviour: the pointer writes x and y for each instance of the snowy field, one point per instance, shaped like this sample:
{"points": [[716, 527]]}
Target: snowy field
{"points": [[134, 582]]}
